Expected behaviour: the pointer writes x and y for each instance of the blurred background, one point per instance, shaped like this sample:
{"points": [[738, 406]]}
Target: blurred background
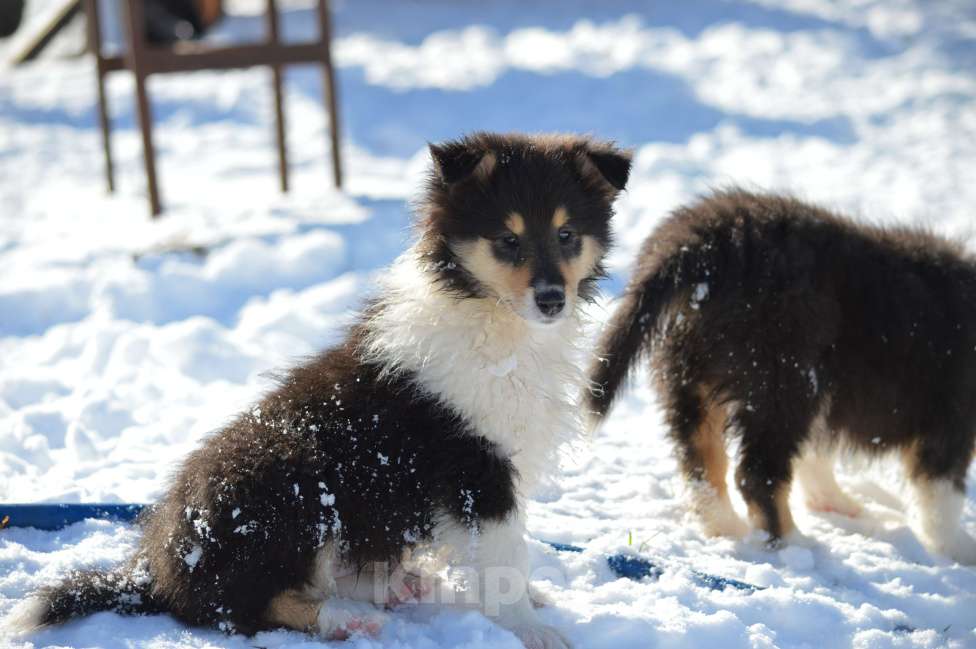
{"points": [[124, 339], [121, 335]]}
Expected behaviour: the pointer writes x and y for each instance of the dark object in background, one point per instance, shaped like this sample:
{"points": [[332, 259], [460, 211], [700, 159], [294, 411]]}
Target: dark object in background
{"points": [[168, 21], [271, 53], [11, 13]]}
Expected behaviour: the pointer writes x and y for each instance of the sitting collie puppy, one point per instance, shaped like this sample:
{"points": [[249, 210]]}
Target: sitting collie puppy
{"points": [[415, 438], [802, 333]]}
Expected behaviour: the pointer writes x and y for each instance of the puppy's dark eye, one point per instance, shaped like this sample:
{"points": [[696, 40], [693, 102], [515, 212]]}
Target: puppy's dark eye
{"points": [[566, 235], [509, 240]]}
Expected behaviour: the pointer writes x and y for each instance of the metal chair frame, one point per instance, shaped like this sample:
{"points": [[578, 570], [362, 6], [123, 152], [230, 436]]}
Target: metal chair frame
{"points": [[143, 59]]}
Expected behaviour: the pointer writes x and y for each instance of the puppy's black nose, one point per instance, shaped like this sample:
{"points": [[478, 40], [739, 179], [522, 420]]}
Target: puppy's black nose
{"points": [[550, 300]]}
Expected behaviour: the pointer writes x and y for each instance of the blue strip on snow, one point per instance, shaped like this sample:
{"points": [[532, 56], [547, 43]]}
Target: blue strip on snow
{"points": [[715, 582], [57, 516], [637, 568], [633, 567], [563, 547]]}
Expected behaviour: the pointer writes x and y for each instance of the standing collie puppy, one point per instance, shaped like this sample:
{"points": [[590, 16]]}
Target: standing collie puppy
{"points": [[413, 440], [802, 333]]}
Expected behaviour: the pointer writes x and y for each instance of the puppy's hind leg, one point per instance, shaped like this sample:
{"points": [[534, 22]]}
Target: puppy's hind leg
{"points": [[814, 469], [939, 500], [322, 607], [292, 609], [697, 423], [772, 432], [332, 619]]}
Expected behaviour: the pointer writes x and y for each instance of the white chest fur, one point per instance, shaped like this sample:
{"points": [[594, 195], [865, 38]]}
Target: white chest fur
{"points": [[514, 382]]}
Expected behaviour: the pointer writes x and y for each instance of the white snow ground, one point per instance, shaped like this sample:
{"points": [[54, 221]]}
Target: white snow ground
{"points": [[120, 348]]}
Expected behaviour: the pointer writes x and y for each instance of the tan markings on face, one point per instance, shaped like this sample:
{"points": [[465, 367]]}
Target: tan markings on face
{"points": [[580, 267], [515, 223], [510, 283], [559, 218], [293, 610]]}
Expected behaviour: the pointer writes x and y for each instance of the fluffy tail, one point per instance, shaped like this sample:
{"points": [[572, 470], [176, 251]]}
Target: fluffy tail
{"points": [[625, 339], [124, 590]]}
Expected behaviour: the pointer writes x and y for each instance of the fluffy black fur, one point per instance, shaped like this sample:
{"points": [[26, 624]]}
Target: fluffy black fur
{"points": [[333, 448], [783, 311]]}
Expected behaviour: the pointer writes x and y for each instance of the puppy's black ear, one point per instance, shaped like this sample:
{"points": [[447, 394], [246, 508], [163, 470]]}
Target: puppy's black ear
{"points": [[457, 160], [605, 166]]}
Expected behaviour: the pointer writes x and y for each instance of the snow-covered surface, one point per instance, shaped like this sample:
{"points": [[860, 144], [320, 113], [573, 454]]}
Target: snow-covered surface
{"points": [[121, 347]]}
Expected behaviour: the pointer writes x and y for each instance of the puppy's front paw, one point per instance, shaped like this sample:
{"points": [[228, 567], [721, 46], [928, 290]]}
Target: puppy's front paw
{"points": [[541, 637], [340, 618]]}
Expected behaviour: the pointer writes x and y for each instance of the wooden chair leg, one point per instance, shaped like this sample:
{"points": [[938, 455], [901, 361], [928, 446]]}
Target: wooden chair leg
{"points": [[325, 25], [148, 150], [135, 26], [280, 127], [95, 46], [106, 128], [276, 73]]}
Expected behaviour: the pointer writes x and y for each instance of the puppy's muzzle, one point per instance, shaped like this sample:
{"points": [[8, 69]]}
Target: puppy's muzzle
{"points": [[550, 299]]}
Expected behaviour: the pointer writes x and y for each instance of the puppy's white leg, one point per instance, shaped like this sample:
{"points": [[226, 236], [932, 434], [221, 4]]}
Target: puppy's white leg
{"points": [[498, 567], [815, 472], [938, 508], [504, 566], [714, 508], [705, 465]]}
